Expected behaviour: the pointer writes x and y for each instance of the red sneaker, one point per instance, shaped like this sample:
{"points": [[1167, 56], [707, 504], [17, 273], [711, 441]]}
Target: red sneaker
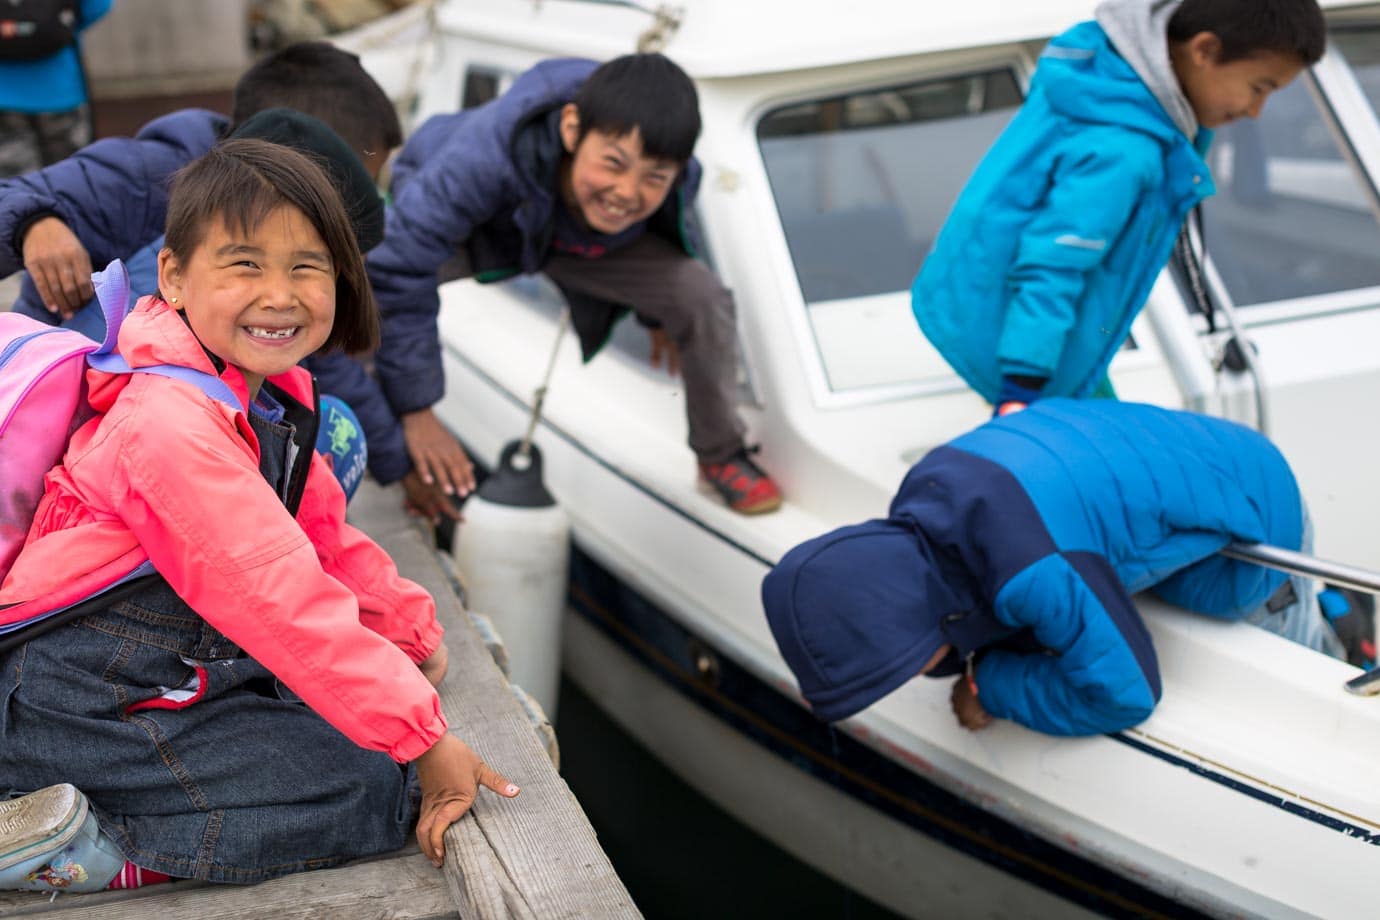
{"points": [[742, 484]]}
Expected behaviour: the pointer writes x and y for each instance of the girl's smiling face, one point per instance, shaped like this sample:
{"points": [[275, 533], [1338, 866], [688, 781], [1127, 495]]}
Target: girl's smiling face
{"points": [[262, 299]]}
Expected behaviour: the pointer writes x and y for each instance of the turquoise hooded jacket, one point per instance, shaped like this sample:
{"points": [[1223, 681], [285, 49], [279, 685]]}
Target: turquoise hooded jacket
{"points": [[1053, 245]]}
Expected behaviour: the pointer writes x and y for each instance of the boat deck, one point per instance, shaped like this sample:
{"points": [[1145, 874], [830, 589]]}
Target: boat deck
{"points": [[533, 856]]}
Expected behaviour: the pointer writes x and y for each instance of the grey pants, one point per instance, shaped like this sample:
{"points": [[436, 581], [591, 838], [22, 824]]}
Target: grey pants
{"points": [[660, 282], [30, 141]]}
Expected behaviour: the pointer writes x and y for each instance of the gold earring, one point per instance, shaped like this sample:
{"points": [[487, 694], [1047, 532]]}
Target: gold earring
{"points": [[172, 300]]}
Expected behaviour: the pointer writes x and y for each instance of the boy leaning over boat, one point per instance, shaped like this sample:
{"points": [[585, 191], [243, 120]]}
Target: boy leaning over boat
{"points": [[1053, 245], [583, 172], [1010, 556]]}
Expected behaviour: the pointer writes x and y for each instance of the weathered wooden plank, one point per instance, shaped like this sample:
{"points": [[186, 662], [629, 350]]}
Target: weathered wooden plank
{"points": [[398, 888], [534, 856]]}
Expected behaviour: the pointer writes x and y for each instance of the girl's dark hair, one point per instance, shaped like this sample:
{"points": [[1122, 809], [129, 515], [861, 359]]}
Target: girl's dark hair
{"points": [[241, 182], [648, 92], [1250, 27]]}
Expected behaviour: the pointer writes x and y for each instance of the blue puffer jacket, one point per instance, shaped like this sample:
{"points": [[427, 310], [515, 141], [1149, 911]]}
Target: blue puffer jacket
{"points": [[113, 195], [1053, 245], [484, 179], [1022, 542]]}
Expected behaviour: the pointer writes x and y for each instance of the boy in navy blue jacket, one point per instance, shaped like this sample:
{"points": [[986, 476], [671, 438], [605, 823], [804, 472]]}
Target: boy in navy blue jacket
{"points": [[582, 172], [1013, 552], [1053, 245]]}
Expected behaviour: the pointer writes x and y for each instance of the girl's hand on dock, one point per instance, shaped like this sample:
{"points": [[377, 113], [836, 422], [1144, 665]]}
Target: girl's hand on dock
{"points": [[450, 774]]}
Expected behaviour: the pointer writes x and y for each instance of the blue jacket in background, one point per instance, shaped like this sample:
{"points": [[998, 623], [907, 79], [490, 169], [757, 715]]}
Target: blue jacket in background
{"points": [[113, 194], [1022, 542], [1053, 245], [52, 84], [484, 181]]}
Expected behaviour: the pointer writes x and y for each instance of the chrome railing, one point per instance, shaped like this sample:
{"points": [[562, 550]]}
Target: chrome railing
{"points": [[1336, 573]]}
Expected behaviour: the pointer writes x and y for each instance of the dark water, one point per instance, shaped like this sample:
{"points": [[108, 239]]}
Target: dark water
{"points": [[679, 854]]}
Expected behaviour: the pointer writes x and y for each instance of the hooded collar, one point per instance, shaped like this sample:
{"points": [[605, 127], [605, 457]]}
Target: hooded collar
{"points": [[857, 612], [1139, 31], [1084, 77]]}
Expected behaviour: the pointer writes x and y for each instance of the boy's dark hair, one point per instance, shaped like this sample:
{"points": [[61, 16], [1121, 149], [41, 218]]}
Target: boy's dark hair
{"points": [[241, 182], [327, 83], [1250, 27], [647, 92]]}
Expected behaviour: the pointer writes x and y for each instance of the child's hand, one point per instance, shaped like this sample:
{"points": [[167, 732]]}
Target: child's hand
{"points": [[426, 500], [59, 265], [1017, 393], [970, 713], [434, 668], [663, 347], [436, 455], [450, 774]]}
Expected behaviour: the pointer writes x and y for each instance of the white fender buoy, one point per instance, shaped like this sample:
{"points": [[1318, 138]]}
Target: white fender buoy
{"points": [[513, 551]]}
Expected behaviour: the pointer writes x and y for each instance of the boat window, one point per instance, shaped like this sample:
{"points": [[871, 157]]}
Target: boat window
{"points": [[862, 183], [1361, 49], [1291, 217], [483, 84]]}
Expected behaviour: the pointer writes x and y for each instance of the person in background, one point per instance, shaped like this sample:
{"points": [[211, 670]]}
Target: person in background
{"points": [[45, 113], [1010, 555], [581, 171], [1053, 245]]}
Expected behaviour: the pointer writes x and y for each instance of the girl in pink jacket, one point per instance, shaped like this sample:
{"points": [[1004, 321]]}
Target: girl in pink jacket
{"points": [[268, 705]]}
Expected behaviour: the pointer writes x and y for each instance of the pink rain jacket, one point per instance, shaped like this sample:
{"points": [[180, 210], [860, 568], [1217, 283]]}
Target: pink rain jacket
{"points": [[168, 474]]}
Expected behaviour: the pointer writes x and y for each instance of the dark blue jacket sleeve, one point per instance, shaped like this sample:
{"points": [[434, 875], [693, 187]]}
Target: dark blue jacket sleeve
{"points": [[113, 194], [1100, 674], [340, 375], [460, 181]]}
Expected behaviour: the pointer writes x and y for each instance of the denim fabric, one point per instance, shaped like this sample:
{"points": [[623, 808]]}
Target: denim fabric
{"points": [[276, 448], [243, 784]]}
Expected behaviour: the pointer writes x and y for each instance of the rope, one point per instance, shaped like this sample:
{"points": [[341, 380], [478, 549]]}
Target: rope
{"points": [[523, 455]]}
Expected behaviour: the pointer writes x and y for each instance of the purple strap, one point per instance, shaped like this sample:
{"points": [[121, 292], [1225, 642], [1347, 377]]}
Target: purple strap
{"points": [[112, 290]]}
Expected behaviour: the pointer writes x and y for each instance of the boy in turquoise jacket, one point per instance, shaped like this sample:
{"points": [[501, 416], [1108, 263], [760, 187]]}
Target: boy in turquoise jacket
{"points": [[1053, 245]]}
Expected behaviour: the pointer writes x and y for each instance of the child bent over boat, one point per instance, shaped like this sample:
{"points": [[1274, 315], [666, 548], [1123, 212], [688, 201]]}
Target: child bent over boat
{"points": [[1011, 554], [267, 706]]}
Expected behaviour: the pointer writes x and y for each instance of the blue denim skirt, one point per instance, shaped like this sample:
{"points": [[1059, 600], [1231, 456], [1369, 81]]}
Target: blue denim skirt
{"points": [[198, 762]]}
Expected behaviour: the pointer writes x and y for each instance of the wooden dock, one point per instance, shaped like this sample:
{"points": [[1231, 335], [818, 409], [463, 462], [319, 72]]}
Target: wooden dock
{"points": [[532, 857]]}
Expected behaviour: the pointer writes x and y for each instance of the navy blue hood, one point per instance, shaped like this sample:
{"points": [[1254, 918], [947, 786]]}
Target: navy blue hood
{"points": [[856, 613]]}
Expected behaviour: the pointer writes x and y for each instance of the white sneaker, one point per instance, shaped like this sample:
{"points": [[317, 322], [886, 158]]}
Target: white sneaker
{"points": [[50, 841]]}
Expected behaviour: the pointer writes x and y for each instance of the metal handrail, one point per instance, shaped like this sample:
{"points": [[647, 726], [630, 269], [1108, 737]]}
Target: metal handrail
{"points": [[1296, 563], [1336, 573]]}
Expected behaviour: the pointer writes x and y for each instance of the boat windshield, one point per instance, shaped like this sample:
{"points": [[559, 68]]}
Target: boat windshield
{"points": [[862, 184]]}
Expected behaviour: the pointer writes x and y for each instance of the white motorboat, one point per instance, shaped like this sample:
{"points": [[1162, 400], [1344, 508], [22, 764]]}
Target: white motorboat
{"points": [[835, 138]]}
